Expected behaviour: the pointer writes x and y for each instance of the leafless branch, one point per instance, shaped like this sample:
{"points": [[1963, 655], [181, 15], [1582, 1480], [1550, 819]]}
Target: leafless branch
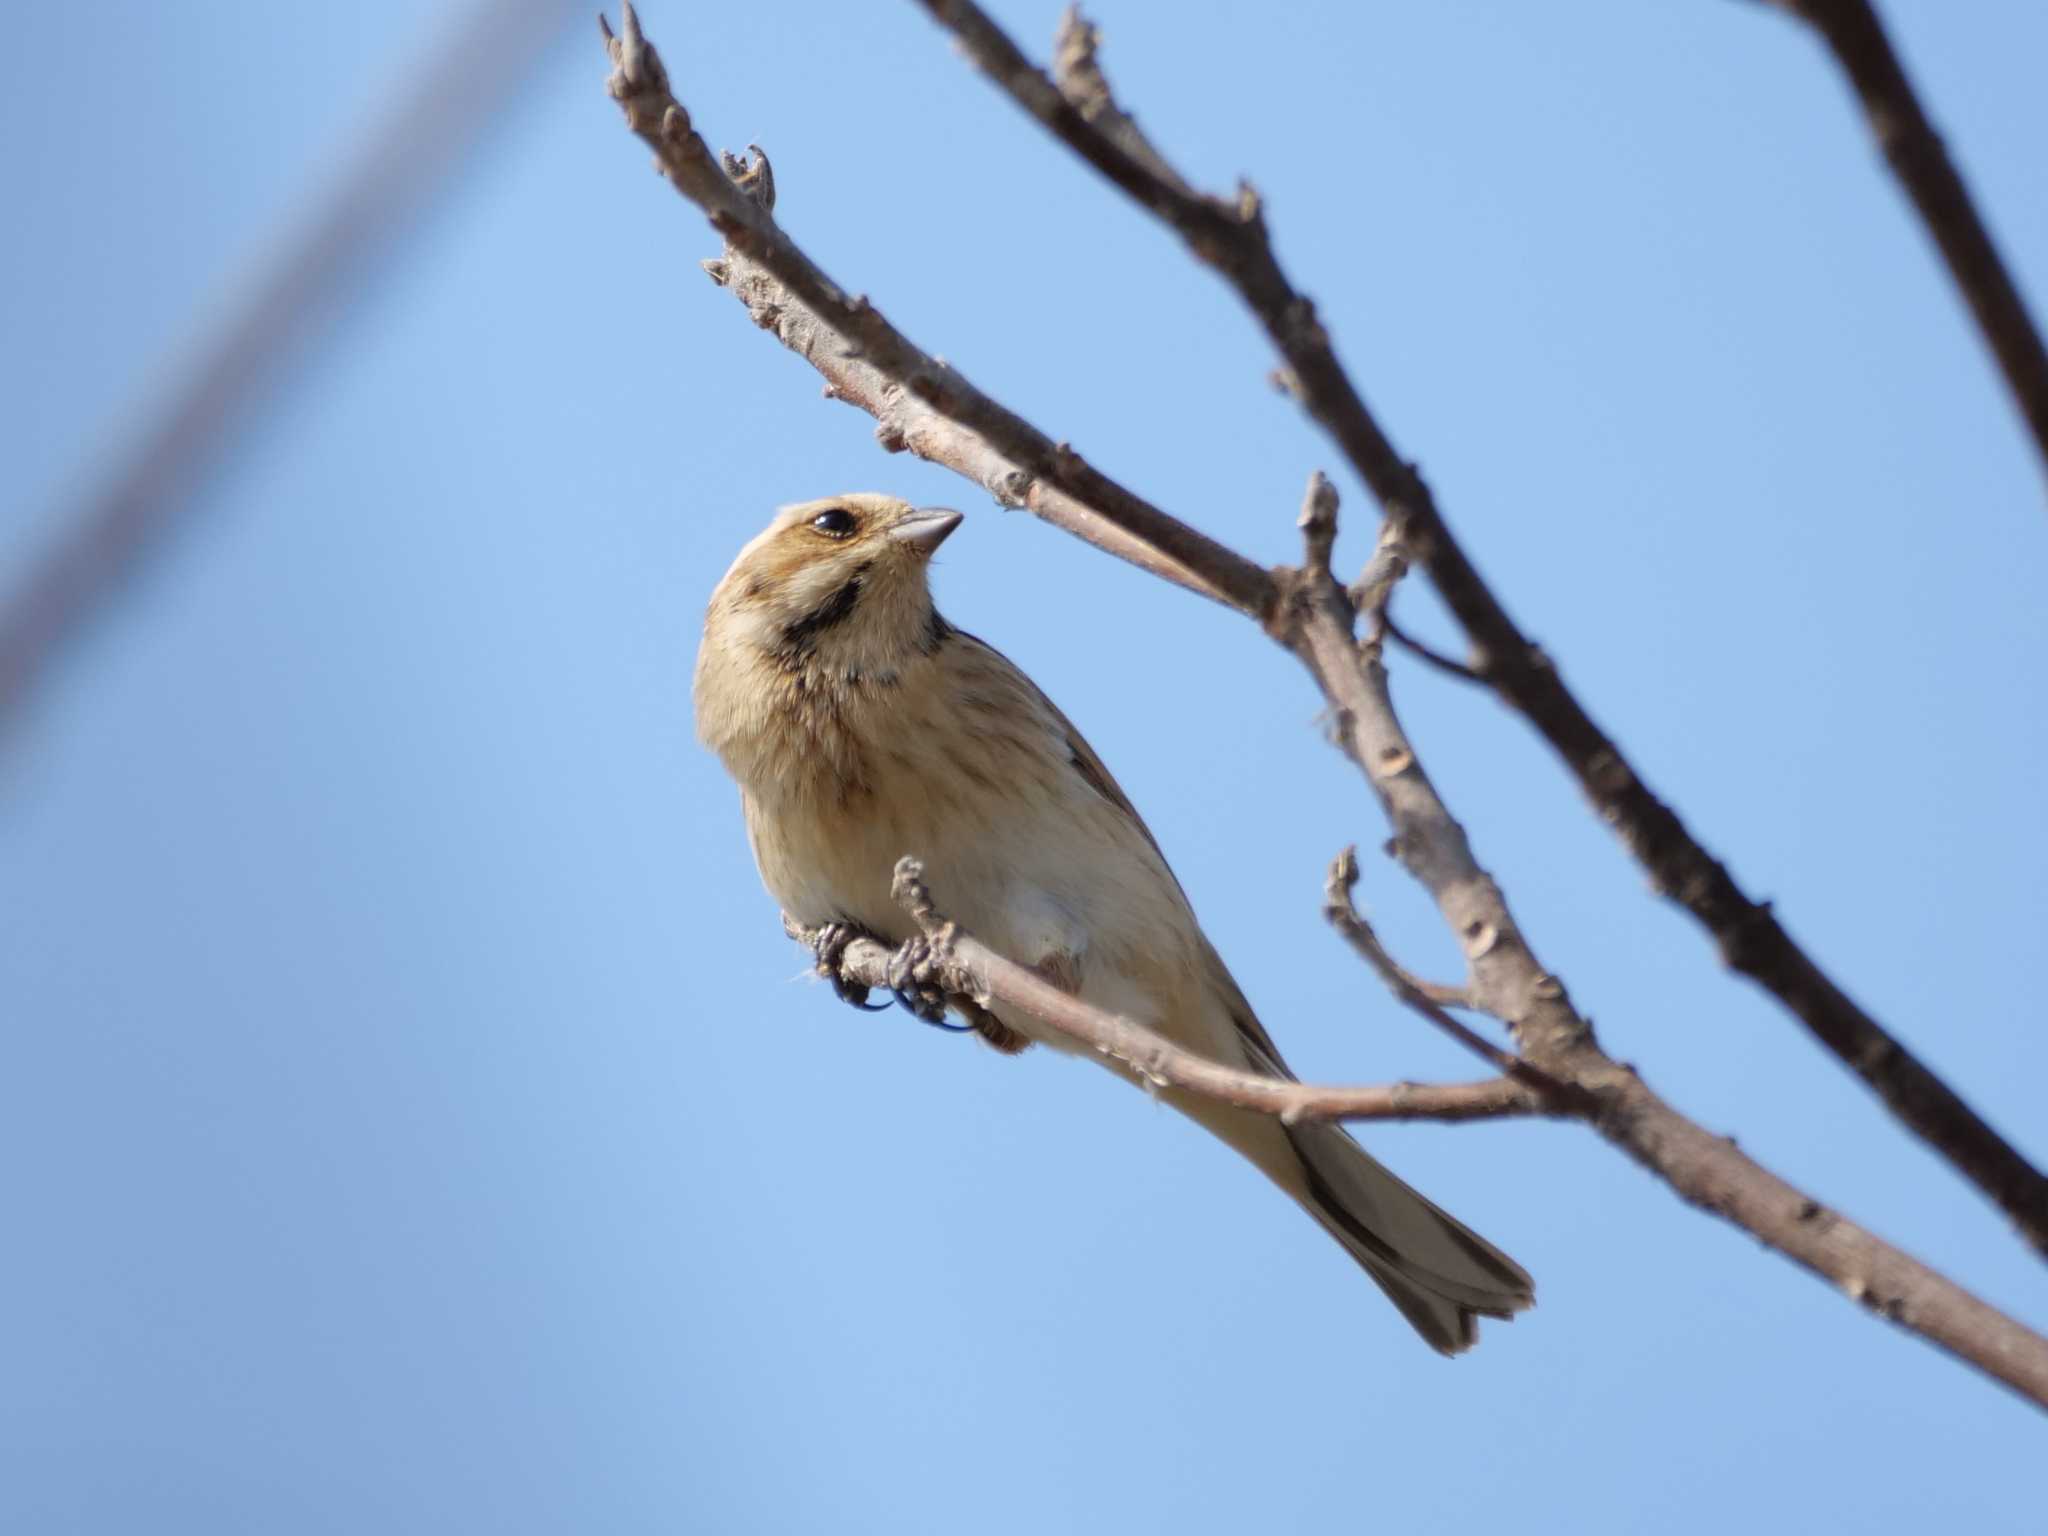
{"points": [[1372, 595], [1310, 614], [1506, 980], [919, 402], [149, 495], [1429, 999], [1448, 665], [974, 976], [1231, 237], [1914, 150]]}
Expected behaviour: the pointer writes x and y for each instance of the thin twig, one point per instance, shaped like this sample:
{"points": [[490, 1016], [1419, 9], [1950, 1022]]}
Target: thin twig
{"points": [[150, 495], [1231, 236], [1373, 593], [971, 973], [1920, 161], [1426, 998], [1429, 654], [920, 402]]}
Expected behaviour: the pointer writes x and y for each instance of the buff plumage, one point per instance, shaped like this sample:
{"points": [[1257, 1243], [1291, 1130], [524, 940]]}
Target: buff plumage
{"points": [[861, 726]]}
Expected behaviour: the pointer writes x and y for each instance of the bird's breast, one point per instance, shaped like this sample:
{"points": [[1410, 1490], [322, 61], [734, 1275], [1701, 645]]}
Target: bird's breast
{"points": [[959, 762]]}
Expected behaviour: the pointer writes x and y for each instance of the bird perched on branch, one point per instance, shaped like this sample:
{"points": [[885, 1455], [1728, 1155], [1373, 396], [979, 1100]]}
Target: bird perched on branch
{"points": [[862, 726]]}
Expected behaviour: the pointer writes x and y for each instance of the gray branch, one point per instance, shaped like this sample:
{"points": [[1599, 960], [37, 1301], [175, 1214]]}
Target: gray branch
{"points": [[148, 497], [1920, 161]]}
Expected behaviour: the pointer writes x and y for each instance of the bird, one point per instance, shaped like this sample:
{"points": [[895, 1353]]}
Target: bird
{"points": [[861, 726]]}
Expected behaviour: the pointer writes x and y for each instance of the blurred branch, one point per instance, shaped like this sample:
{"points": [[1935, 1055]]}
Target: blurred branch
{"points": [[1448, 665], [1854, 34], [869, 363], [1231, 236], [151, 493]]}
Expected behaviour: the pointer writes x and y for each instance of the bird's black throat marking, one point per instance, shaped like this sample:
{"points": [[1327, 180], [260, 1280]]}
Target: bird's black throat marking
{"points": [[801, 638], [936, 633]]}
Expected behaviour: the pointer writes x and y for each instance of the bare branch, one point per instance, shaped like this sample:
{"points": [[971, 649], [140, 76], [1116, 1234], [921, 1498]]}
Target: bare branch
{"points": [[1231, 236], [1448, 665], [1919, 160], [919, 402], [975, 977], [1373, 593], [149, 496], [1507, 981], [1426, 998]]}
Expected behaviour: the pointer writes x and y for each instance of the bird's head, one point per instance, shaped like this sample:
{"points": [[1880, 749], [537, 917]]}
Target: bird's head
{"points": [[839, 584]]}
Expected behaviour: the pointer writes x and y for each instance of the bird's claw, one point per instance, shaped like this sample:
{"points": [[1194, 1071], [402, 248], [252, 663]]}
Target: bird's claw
{"points": [[910, 973], [830, 949], [910, 978]]}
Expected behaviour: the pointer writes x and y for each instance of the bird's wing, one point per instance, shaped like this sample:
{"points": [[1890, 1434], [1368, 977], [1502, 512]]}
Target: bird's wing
{"points": [[1265, 1055], [1092, 769]]}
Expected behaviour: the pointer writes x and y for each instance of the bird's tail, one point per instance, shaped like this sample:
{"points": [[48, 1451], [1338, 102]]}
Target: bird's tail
{"points": [[1438, 1271]]}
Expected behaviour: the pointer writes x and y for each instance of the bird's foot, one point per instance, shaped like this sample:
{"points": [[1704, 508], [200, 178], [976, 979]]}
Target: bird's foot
{"points": [[829, 946], [911, 979]]}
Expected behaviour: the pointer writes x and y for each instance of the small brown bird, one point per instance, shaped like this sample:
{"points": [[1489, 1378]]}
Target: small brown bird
{"points": [[861, 726]]}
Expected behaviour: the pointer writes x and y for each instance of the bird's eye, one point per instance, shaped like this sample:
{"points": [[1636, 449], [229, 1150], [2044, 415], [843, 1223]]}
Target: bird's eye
{"points": [[834, 522]]}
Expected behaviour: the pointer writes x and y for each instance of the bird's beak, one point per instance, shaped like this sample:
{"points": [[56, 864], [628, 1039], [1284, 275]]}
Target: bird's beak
{"points": [[925, 529]]}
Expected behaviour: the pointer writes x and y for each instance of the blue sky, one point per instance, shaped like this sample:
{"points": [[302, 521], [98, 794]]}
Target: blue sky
{"points": [[414, 1118]]}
